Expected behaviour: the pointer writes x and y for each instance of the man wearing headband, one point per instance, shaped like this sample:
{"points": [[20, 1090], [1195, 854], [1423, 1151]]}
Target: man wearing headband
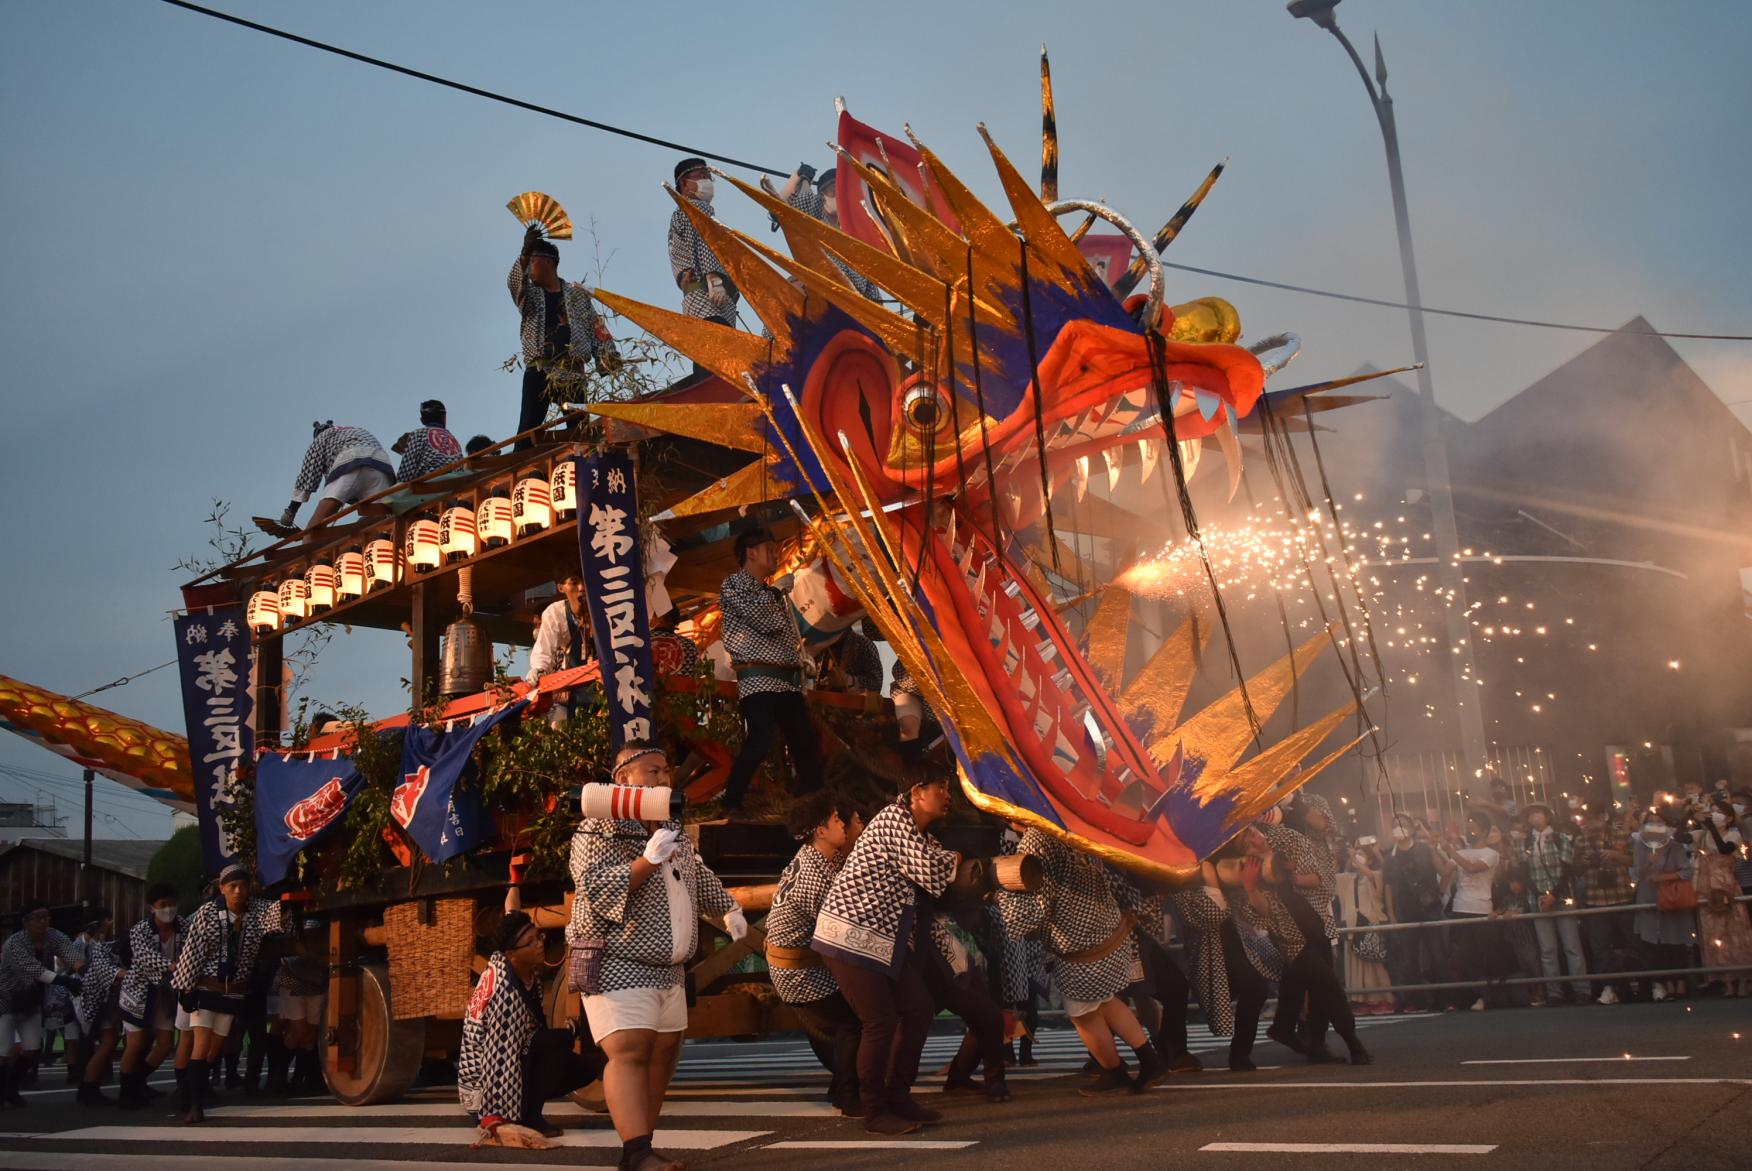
{"points": [[765, 648], [562, 335], [148, 1003], [511, 1062], [212, 976], [800, 977], [866, 934], [28, 963], [706, 289], [640, 890], [347, 463], [100, 1019], [429, 447]]}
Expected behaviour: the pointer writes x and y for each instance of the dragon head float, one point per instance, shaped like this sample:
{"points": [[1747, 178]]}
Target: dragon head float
{"points": [[921, 449]]}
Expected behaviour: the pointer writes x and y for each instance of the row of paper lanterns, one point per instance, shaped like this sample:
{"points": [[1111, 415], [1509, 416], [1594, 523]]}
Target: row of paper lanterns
{"points": [[456, 533]]}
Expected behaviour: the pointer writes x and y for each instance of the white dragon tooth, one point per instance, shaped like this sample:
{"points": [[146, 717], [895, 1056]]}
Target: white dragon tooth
{"points": [[1013, 589], [1080, 477], [1114, 467], [1029, 618], [1062, 680], [1047, 649], [1149, 453]]}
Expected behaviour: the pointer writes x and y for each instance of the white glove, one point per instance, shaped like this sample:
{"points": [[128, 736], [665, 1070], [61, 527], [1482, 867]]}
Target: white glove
{"points": [[715, 289], [662, 846], [735, 923]]}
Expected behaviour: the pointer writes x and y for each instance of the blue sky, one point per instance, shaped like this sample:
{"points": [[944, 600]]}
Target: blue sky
{"points": [[209, 237]]}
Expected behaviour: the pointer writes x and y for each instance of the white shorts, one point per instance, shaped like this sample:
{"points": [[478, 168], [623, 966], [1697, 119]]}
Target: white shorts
{"points": [[299, 1008], [662, 1010], [205, 1018], [352, 487], [28, 1027], [1077, 1008]]}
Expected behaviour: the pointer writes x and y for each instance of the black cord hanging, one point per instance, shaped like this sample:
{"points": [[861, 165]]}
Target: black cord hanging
{"points": [[1039, 407], [985, 439]]}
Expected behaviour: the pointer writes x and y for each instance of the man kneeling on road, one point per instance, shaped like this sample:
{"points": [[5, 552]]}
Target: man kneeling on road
{"points": [[639, 891]]}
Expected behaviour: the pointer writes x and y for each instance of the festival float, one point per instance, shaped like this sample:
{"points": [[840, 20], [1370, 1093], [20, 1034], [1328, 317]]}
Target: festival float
{"points": [[909, 455]]}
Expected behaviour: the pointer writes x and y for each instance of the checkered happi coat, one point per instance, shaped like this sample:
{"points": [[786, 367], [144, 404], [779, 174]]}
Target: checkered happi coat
{"points": [[688, 252], [496, 1031], [869, 907], [809, 200], [1076, 908], [590, 337], [759, 628], [634, 924], [423, 450], [147, 967], [206, 953], [20, 968], [791, 923], [1304, 857], [334, 451], [99, 975]]}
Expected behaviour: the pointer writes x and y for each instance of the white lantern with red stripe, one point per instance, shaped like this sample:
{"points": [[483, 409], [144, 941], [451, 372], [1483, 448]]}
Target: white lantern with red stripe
{"points": [[263, 612], [532, 507], [493, 519], [565, 489], [421, 548], [294, 600], [350, 574], [320, 577], [383, 563], [457, 537]]}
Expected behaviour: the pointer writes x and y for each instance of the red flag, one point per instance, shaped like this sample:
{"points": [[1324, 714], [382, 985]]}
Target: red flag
{"points": [[867, 145], [1108, 254]]}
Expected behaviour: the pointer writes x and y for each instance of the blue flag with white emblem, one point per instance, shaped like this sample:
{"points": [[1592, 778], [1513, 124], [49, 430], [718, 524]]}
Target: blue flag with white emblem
{"points": [[433, 802], [297, 803]]}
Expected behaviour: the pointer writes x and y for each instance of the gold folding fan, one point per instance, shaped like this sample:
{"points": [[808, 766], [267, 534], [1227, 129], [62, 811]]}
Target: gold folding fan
{"points": [[533, 206]]}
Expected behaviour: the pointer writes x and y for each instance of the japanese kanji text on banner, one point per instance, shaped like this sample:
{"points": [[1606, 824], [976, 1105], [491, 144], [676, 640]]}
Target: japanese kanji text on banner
{"points": [[614, 586], [214, 658]]}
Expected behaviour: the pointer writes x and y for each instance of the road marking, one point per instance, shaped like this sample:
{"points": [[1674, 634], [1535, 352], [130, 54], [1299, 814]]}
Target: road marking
{"points": [[1556, 1081], [683, 1140], [84, 1161], [1619, 1060], [871, 1144], [163, 1081], [1352, 1148], [554, 1110]]}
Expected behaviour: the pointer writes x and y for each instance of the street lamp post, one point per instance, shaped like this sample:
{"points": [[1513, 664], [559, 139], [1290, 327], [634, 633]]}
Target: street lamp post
{"points": [[1467, 703]]}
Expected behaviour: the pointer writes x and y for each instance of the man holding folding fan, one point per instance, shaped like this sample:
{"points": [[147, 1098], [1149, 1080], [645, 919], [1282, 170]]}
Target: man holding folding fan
{"points": [[562, 334]]}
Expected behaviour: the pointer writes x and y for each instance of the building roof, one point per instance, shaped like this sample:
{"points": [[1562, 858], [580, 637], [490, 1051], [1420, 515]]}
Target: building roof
{"points": [[128, 856]]}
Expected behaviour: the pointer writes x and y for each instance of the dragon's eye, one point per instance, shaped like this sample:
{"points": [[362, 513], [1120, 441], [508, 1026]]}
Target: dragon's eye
{"points": [[923, 408]]}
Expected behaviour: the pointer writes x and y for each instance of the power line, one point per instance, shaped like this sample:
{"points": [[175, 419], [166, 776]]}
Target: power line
{"points": [[633, 134], [125, 679], [469, 89], [1492, 317]]}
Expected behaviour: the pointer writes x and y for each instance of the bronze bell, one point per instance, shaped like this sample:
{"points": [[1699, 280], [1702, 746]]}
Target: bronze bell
{"points": [[468, 659]]}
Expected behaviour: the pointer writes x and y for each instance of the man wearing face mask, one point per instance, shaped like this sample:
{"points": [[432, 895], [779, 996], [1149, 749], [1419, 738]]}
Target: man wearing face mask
{"points": [[148, 1003], [1414, 895], [1658, 861], [706, 289], [1549, 855]]}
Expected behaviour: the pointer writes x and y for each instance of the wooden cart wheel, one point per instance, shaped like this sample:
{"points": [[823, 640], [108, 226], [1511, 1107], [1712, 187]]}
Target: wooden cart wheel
{"points": [[390, 1051]]}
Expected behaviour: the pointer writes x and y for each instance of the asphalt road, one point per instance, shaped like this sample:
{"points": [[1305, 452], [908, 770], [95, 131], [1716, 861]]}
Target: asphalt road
{"points": [[1593, 1088]]}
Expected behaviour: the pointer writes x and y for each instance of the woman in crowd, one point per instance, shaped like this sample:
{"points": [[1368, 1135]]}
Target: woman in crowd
{"points": [[1474, 864], [1723, 932], [1660, 861], [1361, 899]]}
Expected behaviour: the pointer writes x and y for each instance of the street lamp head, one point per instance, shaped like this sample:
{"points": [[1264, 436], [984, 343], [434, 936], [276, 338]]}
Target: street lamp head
{"points": [[1318, 11]]}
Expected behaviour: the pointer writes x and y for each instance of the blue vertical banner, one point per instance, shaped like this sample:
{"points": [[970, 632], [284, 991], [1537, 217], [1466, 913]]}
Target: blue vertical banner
{"points": [[614, 586], [214, 657]]}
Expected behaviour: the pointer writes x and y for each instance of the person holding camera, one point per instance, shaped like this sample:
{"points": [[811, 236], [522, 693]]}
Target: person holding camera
{"points": [[869, 932], [212, 977], [817, 198], [28, 963], [640, 890]]}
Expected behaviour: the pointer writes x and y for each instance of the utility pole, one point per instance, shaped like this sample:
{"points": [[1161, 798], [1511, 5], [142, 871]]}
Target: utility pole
{"points": [[85, 866], [1468, 710]]}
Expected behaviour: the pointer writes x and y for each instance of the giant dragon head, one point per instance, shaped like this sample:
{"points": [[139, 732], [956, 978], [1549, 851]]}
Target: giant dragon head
{"points": [[921, 448]]}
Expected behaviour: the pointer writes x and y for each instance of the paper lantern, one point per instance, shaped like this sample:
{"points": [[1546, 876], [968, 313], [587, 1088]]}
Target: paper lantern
{"points": [[531, 504], [294, 600], [350, 574], [263, 611], [493, 521], [565, 489], [320, 577], [421, 546], [383, 564], [457, 538]]}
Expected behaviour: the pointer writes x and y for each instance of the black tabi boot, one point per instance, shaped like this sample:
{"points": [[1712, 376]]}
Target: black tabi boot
{"points": [[90, 1095], [1108, 1081], [76, 1055], [1358, 1055], [279, 1057], [233, 1079], [196, 1088], [1152, 1069], [9, 1095], [132, 1095], [1026, 1059]]}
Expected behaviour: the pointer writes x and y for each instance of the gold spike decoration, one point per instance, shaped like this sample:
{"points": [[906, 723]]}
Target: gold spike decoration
{"points": [[1159, 691], [895, 332], [1167, 233], [979, 225], [755, 484], [1042, 232], [1049, 148], [1260, 783], [1107, 632], [729, 353], [1220, 733], [535, 207], [804, 245], [735, 425], [770, 296]]}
